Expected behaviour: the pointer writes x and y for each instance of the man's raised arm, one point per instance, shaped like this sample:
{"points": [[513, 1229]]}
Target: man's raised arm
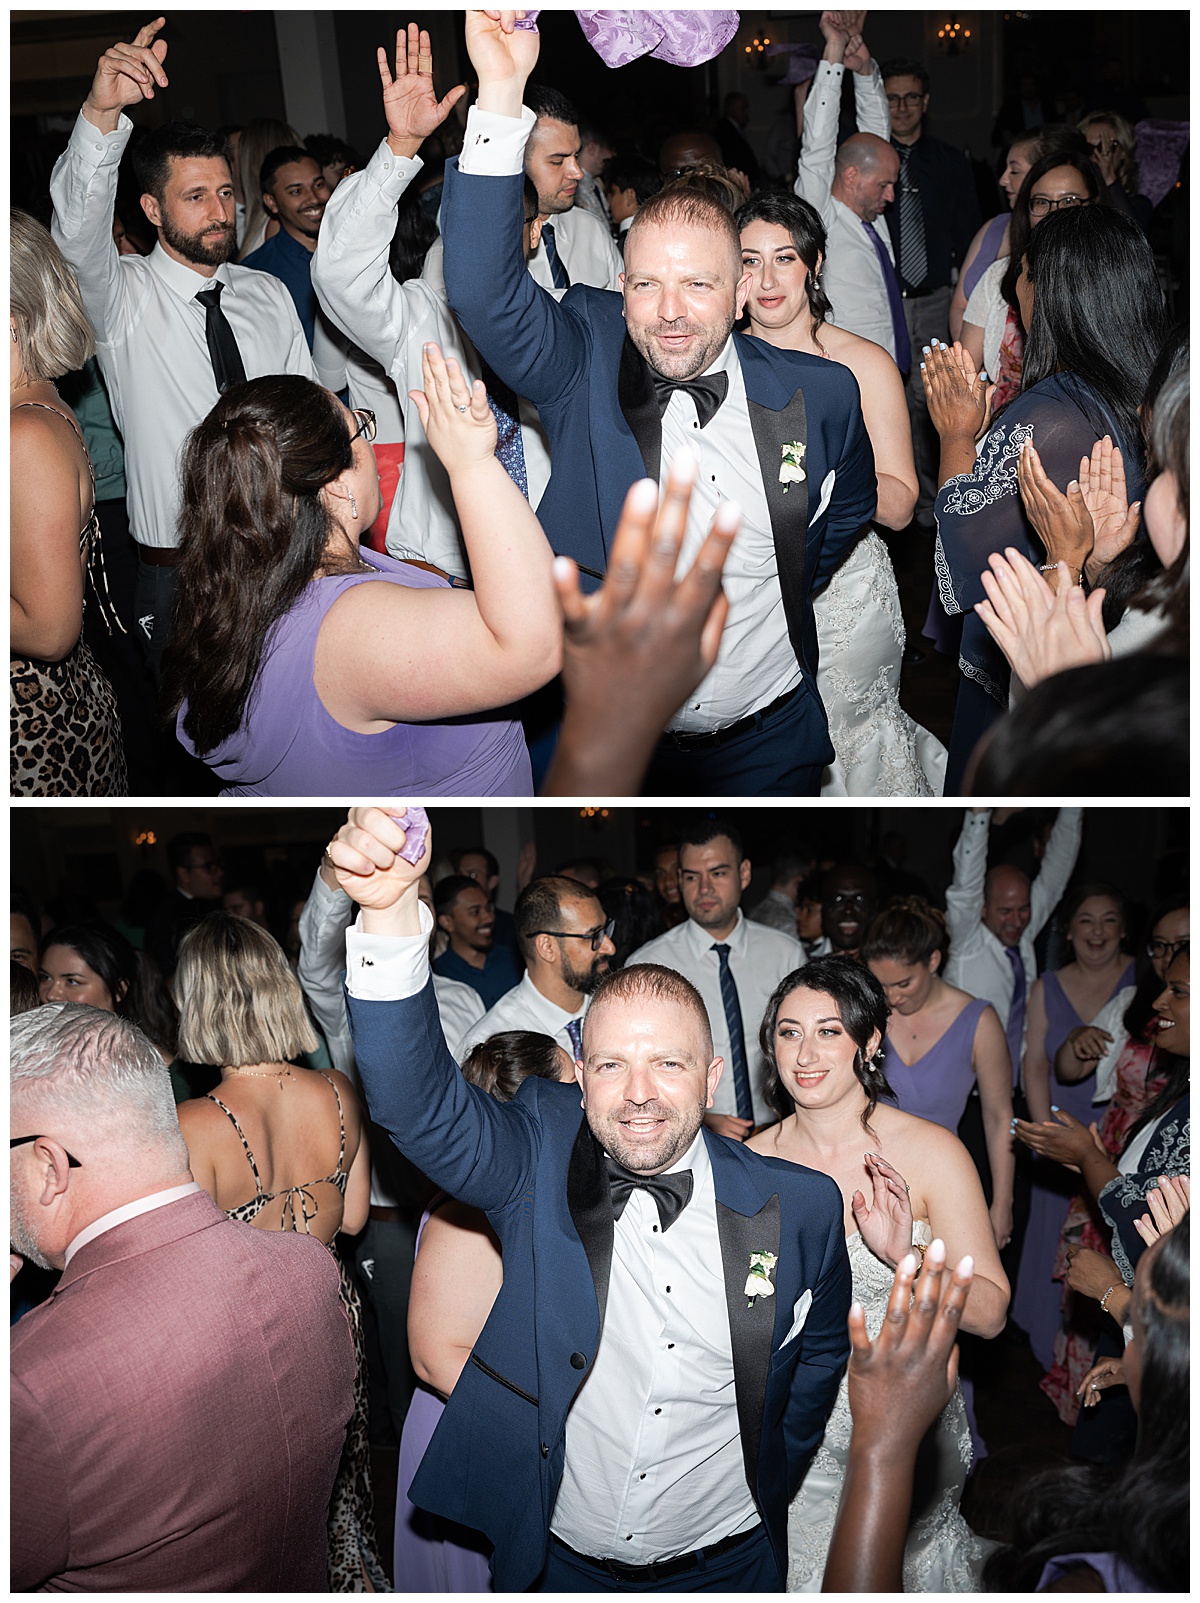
{"points": [[818, 137], [1058, 864], [964, 899]]}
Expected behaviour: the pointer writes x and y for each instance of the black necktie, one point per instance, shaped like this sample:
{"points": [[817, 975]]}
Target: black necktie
{"points": [[707, 392], [222, 347], [671, 1192], [558, 271]]}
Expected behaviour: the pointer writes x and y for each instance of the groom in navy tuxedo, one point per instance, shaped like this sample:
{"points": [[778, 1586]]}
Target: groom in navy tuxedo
{"points": [[623, 383], [659, 1365]]}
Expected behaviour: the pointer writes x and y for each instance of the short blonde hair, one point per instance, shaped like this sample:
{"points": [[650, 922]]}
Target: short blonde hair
{"points": [[238, 1001], [54, 333]]}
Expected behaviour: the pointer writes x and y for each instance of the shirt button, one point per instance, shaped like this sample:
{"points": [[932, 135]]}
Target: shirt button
{"points": [[578, 1361], [387, 166]]}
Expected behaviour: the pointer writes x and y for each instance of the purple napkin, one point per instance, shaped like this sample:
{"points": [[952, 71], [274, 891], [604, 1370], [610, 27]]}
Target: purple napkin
{"points": [[802, 62], [682, 38], [415, 825]]}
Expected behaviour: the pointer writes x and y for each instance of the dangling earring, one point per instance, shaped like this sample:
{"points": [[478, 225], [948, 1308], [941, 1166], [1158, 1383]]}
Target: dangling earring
{"points": [[353, 505]]}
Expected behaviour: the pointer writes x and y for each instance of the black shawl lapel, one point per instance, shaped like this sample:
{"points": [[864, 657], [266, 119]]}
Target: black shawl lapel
{"points": [[788, 507], [639, 406], [590, 1203], [751, 1324]]}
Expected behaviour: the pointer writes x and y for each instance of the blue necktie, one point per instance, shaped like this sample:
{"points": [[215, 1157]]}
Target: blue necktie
{"points": [[1015, 1028], [895, 302], [562, 279], [575, 1031], [737, 1038], [510, 450]]}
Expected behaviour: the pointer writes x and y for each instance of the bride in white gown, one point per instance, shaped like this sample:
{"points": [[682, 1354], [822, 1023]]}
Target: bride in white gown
{"points": [[879, 750], [826, 1024]]}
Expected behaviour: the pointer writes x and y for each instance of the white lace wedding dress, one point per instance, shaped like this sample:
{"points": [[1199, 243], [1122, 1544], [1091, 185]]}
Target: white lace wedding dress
{"points": [[942, 1553], [860, 633]]}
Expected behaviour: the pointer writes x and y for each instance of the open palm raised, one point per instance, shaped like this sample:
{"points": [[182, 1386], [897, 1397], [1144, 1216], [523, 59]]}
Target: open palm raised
{"points": [[410, 102]]}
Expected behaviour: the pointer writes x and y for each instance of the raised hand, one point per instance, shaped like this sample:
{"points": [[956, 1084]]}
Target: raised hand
{"points": [[1168, 1201], [1102, 485], [857, 57], [1041, 631], [959, 399], [455, 415], [1062, 522], [886, 1223], [411, 106], [503, 55], [126, 75], [365, 857]]}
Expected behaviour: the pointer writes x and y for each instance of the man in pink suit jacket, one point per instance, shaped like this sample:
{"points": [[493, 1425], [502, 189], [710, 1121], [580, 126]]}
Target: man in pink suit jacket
{"points": [[179, 1403]]}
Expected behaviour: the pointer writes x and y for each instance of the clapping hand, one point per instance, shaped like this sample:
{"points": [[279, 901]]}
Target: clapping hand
{"points": [[1168, 1201], [365, 856], [959, 399], [1041, 631], [410, 105], [1062, 1138], [886, 1224], [1102, 483], [456, 417], [128, 74], [1062, 522]]}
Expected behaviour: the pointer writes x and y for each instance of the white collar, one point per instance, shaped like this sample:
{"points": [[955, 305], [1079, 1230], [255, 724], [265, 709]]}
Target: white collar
{"points": [[128, 1210], [703, 940], [185, 281]]}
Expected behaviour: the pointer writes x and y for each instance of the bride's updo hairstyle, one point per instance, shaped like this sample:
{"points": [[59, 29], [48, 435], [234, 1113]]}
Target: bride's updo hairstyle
{"points": [[863, 1010], [908, 930], [804, 224]]}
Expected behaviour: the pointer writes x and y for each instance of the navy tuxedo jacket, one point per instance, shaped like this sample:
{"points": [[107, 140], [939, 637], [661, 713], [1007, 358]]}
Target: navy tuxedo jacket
{"points": [[603, 426], [533, 1166]]}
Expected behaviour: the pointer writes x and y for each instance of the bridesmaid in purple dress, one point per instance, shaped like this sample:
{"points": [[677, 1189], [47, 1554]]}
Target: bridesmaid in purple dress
{"points": [[1060, 1002], [941, 1042], [456, 1279]]}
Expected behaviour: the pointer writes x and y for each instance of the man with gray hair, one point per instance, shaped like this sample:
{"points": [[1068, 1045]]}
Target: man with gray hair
{"points": [[180, 1401]]}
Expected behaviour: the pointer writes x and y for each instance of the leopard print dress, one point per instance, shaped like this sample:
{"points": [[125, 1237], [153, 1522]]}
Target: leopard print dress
{"points": [[353, 1548], [65, 732]]}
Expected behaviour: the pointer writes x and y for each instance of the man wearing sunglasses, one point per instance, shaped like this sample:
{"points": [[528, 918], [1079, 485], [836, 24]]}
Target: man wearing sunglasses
{"points": [[566, 941]]}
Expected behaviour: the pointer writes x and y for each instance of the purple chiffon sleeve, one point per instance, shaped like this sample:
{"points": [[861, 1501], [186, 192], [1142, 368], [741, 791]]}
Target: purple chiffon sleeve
{"points": [[682, 38]]}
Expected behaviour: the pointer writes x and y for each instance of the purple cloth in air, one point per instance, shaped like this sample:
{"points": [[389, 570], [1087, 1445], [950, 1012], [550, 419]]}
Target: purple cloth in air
{"points": [[415, 825], [290, 745], [1160, 148], [682, 38], [1117, 1575], [936, 1085], [989, 249]]}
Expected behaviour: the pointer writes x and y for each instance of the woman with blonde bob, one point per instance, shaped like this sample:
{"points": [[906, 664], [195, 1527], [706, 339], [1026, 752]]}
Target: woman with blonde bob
{"points": [[66, 736], [281, 1148]]}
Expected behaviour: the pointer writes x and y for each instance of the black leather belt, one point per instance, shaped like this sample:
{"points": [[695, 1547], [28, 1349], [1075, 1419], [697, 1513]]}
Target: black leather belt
{"points": [[921, 294], [718, 737], [665, 1568]]}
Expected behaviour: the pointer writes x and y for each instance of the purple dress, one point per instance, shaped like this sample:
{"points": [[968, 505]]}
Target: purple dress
{"points": [[989, 249], [1037, 1300], [290, 745], [432, 1554], [937, 1084]]}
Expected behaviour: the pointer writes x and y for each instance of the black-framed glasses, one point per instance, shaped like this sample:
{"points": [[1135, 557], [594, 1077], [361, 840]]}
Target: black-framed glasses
{"points": [[1165, 948], [22, 1140], [602, 932], [911, 99], [366, 424], [1041, 204]]}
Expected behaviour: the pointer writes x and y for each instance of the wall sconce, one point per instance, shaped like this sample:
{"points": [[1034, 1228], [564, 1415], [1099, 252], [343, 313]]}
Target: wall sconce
{"points": [[953, 37], [757, 48], [590, 813], [146, 839]]}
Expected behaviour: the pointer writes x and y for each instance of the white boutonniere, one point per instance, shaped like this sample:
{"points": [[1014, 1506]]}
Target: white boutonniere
{"points": [[758, 1282], [792, 469]]}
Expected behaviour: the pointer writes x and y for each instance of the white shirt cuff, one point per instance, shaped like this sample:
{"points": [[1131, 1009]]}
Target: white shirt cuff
{"points": [[387, 968], [393, 173], [494, 146], [100, 149]]}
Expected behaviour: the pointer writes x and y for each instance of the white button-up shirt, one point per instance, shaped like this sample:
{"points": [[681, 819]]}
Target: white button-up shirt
{"points": [[851, 273], [654, 1464], [522, 1008], [978, 962], [585, 247], [150, 330], [759, 958]]}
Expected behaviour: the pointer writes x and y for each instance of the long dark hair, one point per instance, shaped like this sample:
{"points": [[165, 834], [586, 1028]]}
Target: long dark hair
{"points": [[1142, 1512], [863, 1010], [253, 532], [1020, 224], [1177, 1069], [501, 1064], [1084, 265], [807, 231], [131, 978]]}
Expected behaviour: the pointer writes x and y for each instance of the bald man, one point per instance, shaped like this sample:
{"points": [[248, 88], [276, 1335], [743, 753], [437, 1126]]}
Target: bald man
{"points": [[850, 187]]}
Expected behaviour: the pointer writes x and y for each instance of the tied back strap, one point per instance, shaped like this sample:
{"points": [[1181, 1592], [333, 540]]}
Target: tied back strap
{"points": [[289, 1209]]}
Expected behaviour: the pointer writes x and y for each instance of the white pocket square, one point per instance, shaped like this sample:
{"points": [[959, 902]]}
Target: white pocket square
{"points": [[799, 1315], [827, 484]]}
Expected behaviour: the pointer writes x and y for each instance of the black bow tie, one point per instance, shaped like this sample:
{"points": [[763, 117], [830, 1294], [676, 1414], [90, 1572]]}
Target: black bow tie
{"points": [[707, 392], [671, 1192]]}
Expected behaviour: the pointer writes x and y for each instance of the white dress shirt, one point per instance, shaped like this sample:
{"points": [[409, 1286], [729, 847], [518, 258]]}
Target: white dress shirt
{"points": [[522, 1008], [585, 246], [391, 322], [758, 959], [589, 194], [851, 274], [150, 338], [654, 1464], [128, 1210], [978, 963]]}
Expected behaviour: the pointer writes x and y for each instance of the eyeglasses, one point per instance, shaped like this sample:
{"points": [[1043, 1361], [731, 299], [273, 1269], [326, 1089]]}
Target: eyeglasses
{"points": [[1165, 948], [1104, 147], [602, 932], [1041, 204], [910, 99], [21, 1140], [366, 425]]}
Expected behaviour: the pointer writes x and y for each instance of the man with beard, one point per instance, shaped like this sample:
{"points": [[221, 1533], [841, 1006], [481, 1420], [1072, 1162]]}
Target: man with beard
{"points": [[575, 246], [464, 913], [165, 354], [294, 191], [849, 899], [566, 942], [733, 963], [625, 385], [660, 1362]]}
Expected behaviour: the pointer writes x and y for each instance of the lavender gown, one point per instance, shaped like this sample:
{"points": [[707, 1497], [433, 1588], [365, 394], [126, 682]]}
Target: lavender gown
{"points": [[1037, 1301], [937, 1084], [432, 1554]]}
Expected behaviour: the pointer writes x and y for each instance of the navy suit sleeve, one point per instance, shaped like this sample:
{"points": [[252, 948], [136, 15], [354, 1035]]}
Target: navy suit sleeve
{"points": [[824, 1349], [477, 1149], [537, 346], [855, 490]]}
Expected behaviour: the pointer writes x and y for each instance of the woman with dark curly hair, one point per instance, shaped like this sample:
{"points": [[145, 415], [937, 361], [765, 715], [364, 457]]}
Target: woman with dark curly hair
{"points": [[822, 1035]]}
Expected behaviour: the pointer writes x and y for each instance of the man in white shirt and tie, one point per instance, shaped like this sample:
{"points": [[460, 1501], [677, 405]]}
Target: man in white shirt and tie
{"points": [[576, 246], [165, 353], [733, 963], [566, 941]]}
